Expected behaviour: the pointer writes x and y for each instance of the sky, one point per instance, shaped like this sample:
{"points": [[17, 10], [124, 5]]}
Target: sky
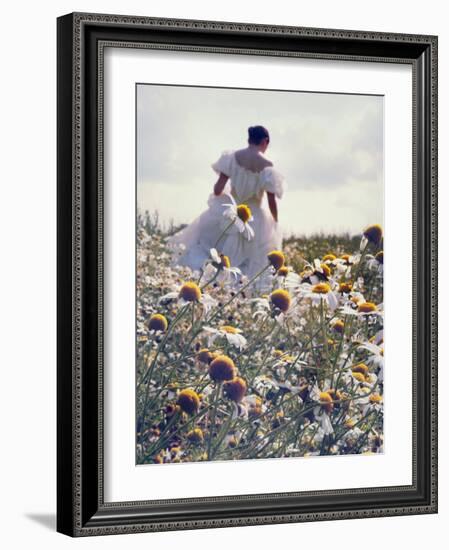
{"points": [[329, 148]]}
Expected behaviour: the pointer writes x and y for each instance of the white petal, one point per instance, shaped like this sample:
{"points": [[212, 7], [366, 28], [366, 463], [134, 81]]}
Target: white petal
{"points": [[332, 300], [215, 256]]}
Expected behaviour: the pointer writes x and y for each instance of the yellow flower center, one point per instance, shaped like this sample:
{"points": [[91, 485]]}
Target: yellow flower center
{"points": [[338, 326], [346, 258], [283, 271], [222, 368], [325, 397], [358, 376], [205, 356], [195, 435], [225, 261], [326, 401], [373, 233], [158, 322], [188, 401], [190, 292], [276, 259], [345, 287], [244, 212], [367, 307], [326, 270], [321, 288], [329, 258], [229, 329], [362, 368], [375, 398], [281, 299], [235, 389], [335, 394]]}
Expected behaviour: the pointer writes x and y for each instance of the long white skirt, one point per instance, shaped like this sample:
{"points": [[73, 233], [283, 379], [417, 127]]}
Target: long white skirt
{"points": [[206, 232]]}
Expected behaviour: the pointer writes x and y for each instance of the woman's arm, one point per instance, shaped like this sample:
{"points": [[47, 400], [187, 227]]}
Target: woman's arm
{"points": [[273, 205], [220, 185]]}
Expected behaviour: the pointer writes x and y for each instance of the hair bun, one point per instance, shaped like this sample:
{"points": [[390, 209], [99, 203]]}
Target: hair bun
{"points": [[257, 133]]}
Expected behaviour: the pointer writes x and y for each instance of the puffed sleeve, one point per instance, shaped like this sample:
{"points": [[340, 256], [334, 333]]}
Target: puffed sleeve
{"points": [[223, 164], [273, 181]]}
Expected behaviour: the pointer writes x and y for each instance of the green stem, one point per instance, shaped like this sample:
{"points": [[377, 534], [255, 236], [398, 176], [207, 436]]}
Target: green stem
{"points": [[212, 420], [223, 233], [222, 434], [323, 330], [162, 344]]}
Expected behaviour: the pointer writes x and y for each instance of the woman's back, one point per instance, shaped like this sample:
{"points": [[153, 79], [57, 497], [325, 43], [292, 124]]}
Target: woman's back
{"points": [[251, 160], [250, 174]]}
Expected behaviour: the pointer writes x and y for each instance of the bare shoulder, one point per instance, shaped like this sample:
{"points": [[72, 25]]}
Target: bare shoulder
{"points": [[263, 162], [252, 160], [268, 162]]}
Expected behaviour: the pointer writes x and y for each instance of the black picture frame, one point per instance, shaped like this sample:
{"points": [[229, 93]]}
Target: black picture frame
{"points": [[81, 510]]}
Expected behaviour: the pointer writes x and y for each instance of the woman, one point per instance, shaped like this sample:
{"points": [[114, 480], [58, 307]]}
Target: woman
{"points": [[246, 235]]}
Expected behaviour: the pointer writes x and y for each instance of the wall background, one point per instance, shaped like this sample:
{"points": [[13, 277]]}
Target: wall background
{"points": [[28, 267]]}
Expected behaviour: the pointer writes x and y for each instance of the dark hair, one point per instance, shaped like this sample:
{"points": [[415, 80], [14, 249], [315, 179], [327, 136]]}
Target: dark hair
{"points": [[256, 134]]}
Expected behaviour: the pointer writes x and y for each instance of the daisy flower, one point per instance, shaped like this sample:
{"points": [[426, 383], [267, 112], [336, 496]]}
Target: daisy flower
{"points": [[251, 405], [344, 264], [240, 215], [372, 402], [329, 258], [233, 335], [321, 412], [287, 386], [235, 389], [317, 272], [263, 384], [322, 292], [277, 259], [188, 401], [281, 300], [188, 293], [377, 354], [219, 268], [372, 234], [222, 369], [376, 358], [362, 308], [157, 323], [291, 280]]}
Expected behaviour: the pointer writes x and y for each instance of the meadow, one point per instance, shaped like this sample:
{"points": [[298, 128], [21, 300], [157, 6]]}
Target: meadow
{"points": [[287, 364]]}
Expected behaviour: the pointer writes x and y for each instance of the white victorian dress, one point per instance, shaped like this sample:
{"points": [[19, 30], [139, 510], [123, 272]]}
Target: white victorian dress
{"points": [[248, 253]]}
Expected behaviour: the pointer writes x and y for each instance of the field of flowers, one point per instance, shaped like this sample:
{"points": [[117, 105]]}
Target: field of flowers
{"points": [[288, 364]]}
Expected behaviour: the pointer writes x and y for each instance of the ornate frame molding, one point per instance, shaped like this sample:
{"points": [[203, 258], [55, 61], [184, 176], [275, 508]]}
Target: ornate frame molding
{"points": [[81, 42]]}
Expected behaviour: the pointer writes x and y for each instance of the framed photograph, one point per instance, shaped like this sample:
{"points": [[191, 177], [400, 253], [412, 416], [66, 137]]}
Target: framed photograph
{"points": [[247, 248]]}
